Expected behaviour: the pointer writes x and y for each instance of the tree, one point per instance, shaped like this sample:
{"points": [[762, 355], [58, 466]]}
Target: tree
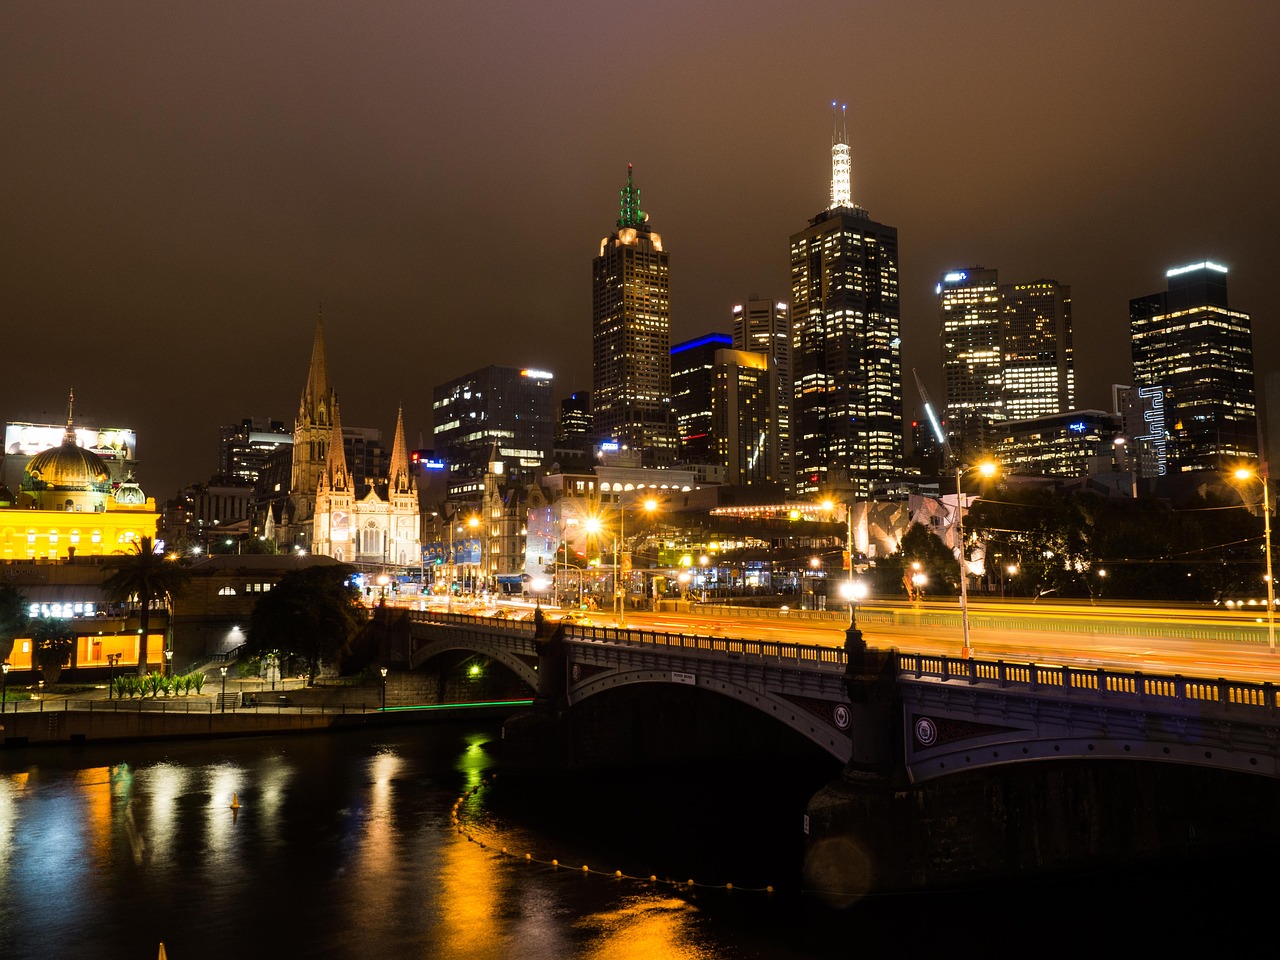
{"points": [[144, 578], [918, 545], [52, 640], [312, 613], [13, 618]]}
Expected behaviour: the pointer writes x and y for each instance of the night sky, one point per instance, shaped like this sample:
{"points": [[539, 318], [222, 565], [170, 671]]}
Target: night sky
{"points": [[183, 186]]}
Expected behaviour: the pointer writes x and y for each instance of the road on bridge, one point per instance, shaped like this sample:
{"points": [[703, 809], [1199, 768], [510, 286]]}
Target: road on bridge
{"points": [[1122, 637]]}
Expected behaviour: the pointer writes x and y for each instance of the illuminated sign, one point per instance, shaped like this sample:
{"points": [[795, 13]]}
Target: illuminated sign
{"points": [[611, 446], [537, 374], [1078, 427], [955, 276], [28, 439], [432, 464], [1203, 265]]}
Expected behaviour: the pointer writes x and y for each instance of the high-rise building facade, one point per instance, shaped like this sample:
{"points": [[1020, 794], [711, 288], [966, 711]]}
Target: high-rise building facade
{"points": [[1189, 342], [245, 447], [972, 382], [631, 336], [507, 406], [692, 386], [723, 400], [1037, 352], [846, 422], [1007, 352], [764, 326]]}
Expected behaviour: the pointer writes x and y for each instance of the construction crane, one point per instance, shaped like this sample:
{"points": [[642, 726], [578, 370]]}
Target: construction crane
{"points": [[967, 650]]}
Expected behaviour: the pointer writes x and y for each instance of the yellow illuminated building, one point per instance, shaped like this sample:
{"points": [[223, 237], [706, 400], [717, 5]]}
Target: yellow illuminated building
{"points": [[66, 516]]}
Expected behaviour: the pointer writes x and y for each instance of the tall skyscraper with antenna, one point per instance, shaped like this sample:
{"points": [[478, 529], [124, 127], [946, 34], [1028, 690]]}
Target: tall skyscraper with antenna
{"points": [[846, 420], [631, 336]]}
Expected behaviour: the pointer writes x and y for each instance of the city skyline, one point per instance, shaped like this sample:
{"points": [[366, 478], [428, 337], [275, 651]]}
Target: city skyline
{"points": [[186, 188]]}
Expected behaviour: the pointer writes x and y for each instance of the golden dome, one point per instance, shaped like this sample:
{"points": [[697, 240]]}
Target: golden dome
{"points": [[67, 467]]}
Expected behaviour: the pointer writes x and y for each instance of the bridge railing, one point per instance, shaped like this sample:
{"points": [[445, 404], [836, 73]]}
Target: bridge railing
{"points": [[1096, 683], [821, 657]]}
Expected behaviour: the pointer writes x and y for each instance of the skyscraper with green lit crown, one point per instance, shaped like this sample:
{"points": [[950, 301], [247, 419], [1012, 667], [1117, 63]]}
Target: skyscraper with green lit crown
{"points": [[631, 336]]}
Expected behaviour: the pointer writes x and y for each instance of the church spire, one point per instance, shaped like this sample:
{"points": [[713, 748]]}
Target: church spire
{"points": [[841, 190], [335, 477], [317, 389], [399, 477]]}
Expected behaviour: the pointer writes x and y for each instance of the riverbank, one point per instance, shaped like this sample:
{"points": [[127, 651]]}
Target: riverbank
{"points": [[82, 716]]}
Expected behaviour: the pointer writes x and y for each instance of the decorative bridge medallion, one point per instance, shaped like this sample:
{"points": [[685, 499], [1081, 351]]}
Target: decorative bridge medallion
{"points": [[936, 732]]}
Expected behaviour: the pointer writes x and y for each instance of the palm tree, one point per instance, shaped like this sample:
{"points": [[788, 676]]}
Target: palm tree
{"points": [[145, 577], [52, 641], [13, 617]]}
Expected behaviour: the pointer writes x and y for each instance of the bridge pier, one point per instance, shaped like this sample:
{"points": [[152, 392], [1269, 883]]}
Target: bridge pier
{"points": [[874, 831]]}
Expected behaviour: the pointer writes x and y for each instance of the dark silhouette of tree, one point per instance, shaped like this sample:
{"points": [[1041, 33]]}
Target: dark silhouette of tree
{"points": [[144, 578], [919, 545], [51, 641], [311, 613], [13, 618]]}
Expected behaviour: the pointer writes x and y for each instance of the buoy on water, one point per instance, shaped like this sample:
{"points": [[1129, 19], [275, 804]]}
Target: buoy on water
{"points": [[235, 804]]}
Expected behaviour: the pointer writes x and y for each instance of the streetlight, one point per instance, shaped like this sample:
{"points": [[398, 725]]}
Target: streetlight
{"points": [[223, 699], [830, 506], [4, 685], [987, 469], [168, 662], [1246, 473], [853, 591], [383, 671], [112, 660], [474, 522]]}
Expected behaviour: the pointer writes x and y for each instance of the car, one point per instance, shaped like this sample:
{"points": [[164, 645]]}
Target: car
{"points": [[576, 616]]}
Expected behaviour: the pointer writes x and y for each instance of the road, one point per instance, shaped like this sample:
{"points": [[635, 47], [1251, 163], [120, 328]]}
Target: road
{"points": [[1172, 639]]}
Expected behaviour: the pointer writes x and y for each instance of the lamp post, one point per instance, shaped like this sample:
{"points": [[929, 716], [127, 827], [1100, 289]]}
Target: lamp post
{"points": [[383, 671], [222, 700], [1244, 473], [112, 660], [474, 523], [449, 585], [4, 685], [853, 591], [987, 469], [619, 598], [168, 663]]}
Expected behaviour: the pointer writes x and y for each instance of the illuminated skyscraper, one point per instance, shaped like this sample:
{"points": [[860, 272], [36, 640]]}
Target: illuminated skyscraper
{"points": [[1037, 352], [1189, 342], [1006, 352], [972, 380], [631, 336], [846, 422], [764, 326], [724, 401]]}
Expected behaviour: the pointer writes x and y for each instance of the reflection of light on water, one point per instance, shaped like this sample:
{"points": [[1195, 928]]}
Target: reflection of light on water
{"points": [[10, 789], [225, 781], [377, 831], [162, 784], [471, 888], [645, 929], [474, 761]]}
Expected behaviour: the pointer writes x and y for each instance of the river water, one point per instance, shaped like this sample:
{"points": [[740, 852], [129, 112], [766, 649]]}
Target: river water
{"points": [[390, 844]]}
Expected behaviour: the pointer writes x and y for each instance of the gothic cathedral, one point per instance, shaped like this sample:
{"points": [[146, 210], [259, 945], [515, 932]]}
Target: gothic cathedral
{"points": [[373, 524]]}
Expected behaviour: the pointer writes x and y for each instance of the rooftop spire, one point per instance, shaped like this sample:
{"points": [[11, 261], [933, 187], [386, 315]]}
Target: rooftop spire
{"points": [[631, 214], [841, 192], [335, 476], [399, 479], [69, 436], [318, 374]]}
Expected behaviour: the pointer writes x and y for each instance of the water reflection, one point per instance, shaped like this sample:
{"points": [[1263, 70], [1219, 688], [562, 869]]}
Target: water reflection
{"points": [[137, 844]]}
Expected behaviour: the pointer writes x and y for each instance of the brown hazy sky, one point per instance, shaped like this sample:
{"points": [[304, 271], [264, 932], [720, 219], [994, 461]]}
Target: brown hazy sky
{"points": [[182, 185]]}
